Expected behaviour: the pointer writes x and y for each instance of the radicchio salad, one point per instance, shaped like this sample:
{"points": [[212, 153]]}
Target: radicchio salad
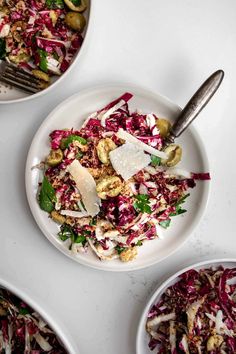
{"points": [[41, 36], [196, 315], [22, 330], [111, 185]]}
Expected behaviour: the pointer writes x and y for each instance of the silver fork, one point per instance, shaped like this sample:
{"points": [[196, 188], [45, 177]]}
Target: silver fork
{"points": [[19, 78], [194, 106]]}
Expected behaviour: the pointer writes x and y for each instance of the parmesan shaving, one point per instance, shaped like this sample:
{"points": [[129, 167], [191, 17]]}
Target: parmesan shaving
{"points": [[86, 186], [74, 214], [127, 160]]}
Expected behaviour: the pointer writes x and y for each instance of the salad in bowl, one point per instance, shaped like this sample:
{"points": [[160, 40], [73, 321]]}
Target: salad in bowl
{"points": [[41, 36], [23, 330], [196, 313], [113, 185]]}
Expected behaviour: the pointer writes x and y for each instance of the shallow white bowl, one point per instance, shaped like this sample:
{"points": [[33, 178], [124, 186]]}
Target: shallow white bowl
{"points": [[143, 338], [9, 94], [72, 113], [61, 332]]}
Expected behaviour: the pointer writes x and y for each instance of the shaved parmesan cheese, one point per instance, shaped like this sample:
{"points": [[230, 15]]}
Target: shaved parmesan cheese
{"points": [[127, 160], [86, 186], [74, 214], [122, 134]]}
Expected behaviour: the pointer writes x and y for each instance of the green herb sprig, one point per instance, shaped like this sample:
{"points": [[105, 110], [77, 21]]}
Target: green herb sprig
{"points": [[55, 4], [155, 160], [67, 141], [47, 196], [142, 203], [178, 206]]}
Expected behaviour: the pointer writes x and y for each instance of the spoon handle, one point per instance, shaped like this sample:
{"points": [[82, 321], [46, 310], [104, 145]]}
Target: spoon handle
{"points": [[195, 105]]}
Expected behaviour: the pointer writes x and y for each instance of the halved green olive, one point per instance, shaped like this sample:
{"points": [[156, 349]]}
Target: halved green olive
{"points": [[174, 153], [77, 5], [60, 219], [75, 20], [55, 157], [41, 75], [164, 127]]}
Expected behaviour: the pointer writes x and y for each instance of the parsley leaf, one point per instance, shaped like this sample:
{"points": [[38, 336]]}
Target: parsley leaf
{"points": [[165, 223], [119, 249], [93, 222], [47, 196], [23, 311], [66, 232], [139, 243], [178, 207], [142, 203], [55, 4], [67, 141], [156, 161], [80, 239], [43, 64]]}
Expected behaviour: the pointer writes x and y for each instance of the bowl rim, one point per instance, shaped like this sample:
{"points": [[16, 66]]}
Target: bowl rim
{"points": [[163, 284], [81, 92], [65, 74], [57, 327]]}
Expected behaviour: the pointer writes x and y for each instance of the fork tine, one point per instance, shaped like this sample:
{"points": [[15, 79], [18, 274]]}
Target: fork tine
{"points": [[21, 73], [16, 84], [16, 68], [21, 80]]}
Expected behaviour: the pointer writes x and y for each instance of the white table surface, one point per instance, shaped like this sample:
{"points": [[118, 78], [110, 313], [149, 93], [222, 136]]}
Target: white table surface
{"points": [[167, 46]]}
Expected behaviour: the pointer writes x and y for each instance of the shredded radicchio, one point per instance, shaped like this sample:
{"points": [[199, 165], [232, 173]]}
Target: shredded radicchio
{"points": [[22, 330], [35, 35], [196, 315]]}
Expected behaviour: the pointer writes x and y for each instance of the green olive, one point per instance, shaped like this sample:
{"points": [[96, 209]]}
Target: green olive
{"points": [[174, 153], [60, 219], [75, 20], [164, 127], [55, 157], [76, 5], [40, 75]]}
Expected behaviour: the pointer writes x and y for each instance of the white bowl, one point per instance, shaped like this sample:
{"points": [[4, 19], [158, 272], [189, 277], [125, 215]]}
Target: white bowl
{"points": [[10, 94], [60, 331], [67, 115], [143, 338]]}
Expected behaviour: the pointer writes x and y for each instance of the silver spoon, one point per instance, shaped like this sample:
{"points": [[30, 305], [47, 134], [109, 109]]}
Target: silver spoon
{"points": [[195, 105]]}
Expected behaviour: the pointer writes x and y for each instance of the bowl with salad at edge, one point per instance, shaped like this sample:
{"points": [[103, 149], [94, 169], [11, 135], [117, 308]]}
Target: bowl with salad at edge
{"points": [[191, 311], [26, 325], [121, 253], [45, 38]]}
